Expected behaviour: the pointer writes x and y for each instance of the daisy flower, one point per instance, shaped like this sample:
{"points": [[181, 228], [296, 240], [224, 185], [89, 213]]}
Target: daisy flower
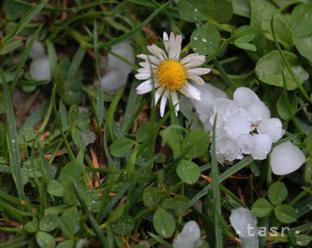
{"points": [[169, 74]]}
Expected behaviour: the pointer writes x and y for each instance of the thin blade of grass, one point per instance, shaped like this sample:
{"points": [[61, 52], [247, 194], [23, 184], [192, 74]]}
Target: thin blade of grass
{"points": [[91, 218], [14, 152]]}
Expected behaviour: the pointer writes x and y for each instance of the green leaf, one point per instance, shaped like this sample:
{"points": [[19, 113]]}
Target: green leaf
{"points": [[270, 69], [205, 39], [49, 222], [277, 193], [173, 137], [14, 10], [303, 240], [121, 147], [188, 171], [241, 7], [285, 214], [69, 222], [199, 10], [261, 207], [304, 46], [189, 10], [261, 15], [45, 240], [286, 107], [164, 223], [31, 226], [66, 244], [152, 197], [301, 19], [196, 143], [124, 225], [219, 10], [71, 171], [55, 188], [178, 204]]}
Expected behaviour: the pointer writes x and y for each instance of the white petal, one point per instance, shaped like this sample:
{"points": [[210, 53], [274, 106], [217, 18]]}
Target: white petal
{"points": [[156, 51], [158, 94], [143, 75], [163, 103], [144, 87], [193, 60], [174, 49], [190, 91], [166, 40], [37, 50], [286, 158], [40, 69], [272, 127], [262, 146], [113, 80], [198, 71], [197, 79], [175, 101]]}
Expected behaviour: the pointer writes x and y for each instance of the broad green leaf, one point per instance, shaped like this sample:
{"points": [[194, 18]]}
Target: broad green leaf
{"points": [[261, 15], [121, 147], [277, 193], [304, 46], [261, 207], [196, 144], [45, 240], [124, 225], [31, 226], [219, 10], [49, 222], [152, 197], [188, 171], [164, 223], [69, 222], [190, 10], [241, 7], [66, 244], [71, 171], [178, 204], [55, 188], [286, 107], [205, 39], [14, 10], [301, 19], [285, 214], [270, 69], [303, 240], [173, 137]]}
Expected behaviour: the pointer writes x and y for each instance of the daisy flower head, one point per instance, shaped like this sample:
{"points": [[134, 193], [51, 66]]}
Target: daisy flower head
{"points": [[169, 74]]}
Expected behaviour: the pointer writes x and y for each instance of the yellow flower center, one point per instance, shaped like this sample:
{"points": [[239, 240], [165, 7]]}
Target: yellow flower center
{"points": [[171, 74]]}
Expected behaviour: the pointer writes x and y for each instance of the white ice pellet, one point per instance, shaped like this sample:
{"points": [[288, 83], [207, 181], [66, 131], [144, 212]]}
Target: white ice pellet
{"points": [[286, 158], [40, 69]]}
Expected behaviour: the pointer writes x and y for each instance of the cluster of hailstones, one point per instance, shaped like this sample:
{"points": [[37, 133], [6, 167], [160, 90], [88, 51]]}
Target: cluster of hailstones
{"points": [[243, 124]]}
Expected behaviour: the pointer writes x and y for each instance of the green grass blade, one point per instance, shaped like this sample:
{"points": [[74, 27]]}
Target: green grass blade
{"points": [[14, 153]]}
